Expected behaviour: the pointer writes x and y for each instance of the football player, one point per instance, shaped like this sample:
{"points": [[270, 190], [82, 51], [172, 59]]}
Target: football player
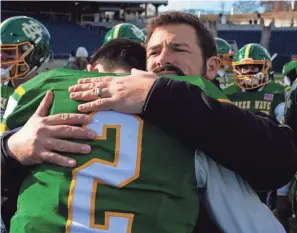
{"points": [[253, 89], [24, 48], [125, 31], [286, 196], [291, 109], [283, 209], [290, 73], [225, 53], [126, 179]]}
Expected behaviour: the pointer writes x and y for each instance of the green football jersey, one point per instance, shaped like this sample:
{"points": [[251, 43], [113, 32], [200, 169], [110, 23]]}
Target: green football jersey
{"points": [[265, 100], [6, 90], [291, 109], [136, 179]]}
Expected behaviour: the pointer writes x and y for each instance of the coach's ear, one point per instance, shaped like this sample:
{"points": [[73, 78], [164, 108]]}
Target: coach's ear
{"points": [[212, 67]]}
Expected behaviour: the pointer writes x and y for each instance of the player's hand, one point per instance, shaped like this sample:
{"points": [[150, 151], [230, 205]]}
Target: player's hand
{"points": [[41, 138], [123, 94]]}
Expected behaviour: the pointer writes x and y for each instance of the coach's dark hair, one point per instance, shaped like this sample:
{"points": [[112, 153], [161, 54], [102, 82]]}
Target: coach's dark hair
{"points": [[205, 39], [120, 53]]}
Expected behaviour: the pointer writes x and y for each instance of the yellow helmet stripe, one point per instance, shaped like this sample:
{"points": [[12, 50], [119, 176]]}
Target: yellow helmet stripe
{"points": [[224, 100], [116, 31], [247, 51], [3, 128]]}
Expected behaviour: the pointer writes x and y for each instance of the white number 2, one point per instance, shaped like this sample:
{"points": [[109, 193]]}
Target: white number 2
{"points": [[124, 169]]}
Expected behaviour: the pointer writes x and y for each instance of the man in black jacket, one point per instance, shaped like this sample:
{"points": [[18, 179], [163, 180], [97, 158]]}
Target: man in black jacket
{"points": [[244, 142]]}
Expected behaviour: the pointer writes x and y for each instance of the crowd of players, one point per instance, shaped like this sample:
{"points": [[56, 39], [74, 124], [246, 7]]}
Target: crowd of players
{"points": [[25, 46]]}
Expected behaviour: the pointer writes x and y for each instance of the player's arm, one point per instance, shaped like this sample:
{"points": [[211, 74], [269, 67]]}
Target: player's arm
{"points": [[225, 206], [254, 147], [279, 112]]}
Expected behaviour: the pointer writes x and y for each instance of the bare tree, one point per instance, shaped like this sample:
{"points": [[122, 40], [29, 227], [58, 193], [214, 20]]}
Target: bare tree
{"points": [[223, 7], [275, 6], [246, 6]]}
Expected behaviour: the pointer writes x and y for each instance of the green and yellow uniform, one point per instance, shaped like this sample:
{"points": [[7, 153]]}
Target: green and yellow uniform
{"points": [[24, 48], [6, 90], [125, 31], [265, 99], [225, 53], [255, 91]]}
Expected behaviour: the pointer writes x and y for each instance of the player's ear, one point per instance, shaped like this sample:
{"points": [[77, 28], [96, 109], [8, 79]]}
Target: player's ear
{"points": [[90, 68], [212, 67]]}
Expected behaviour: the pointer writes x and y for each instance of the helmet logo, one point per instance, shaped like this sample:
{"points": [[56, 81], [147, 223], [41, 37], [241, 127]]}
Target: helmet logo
{"points": [[33, 30], [138, 33]]}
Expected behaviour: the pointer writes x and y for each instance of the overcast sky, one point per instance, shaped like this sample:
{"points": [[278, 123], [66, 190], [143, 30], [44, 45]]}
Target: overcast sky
{"points": [[197, 4], [211, 5]]}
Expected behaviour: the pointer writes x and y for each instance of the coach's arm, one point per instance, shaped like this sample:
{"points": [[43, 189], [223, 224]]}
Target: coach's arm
{"points": [[12, 176], [254, 146]]}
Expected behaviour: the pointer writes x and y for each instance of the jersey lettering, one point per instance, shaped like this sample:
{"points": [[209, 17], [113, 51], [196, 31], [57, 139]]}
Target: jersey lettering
{"points": [[264, 106], [123, 170], [243, 104]]}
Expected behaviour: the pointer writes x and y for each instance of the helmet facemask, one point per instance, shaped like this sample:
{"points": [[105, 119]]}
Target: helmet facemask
{"points": [[251, 80], [13, 60], [226, 61]]}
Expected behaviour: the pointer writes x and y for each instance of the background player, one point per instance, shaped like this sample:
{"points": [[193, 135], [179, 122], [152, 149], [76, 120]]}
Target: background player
{"points": [[290, 72], [24, 48], [225, 53], [253, 90], [125, 31]]}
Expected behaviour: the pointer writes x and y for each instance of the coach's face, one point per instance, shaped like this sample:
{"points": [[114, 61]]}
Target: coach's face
{"points": [[173, 49]]}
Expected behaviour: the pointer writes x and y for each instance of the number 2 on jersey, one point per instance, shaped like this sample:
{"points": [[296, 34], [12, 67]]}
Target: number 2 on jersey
{"points": [[124, 169]]}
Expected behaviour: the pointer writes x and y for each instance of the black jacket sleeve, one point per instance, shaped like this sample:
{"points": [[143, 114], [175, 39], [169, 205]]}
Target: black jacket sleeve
{"points": [[12, 176], [253, 146]]}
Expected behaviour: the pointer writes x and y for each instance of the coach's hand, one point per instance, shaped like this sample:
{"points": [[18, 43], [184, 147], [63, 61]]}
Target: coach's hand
{"points": [[42, 136], [123, 94]]}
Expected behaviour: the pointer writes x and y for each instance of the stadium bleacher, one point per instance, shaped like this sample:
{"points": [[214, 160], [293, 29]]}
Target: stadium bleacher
{"points": [[67, 36], [241, 37]]}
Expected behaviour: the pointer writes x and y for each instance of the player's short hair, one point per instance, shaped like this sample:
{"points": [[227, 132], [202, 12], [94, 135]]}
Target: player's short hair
{"points": [[205, 39], [120, 53]]}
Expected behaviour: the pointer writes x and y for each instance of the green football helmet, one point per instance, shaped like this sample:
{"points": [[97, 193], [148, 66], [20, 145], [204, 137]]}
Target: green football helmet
{"points": [[25, 46], [127, 31], [290, 72], [252, 67], [225, 53], [144, 31]]}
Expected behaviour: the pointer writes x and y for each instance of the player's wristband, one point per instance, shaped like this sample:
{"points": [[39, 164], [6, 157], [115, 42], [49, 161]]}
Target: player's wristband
{"points": [[7, 161], [4, 150]]}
